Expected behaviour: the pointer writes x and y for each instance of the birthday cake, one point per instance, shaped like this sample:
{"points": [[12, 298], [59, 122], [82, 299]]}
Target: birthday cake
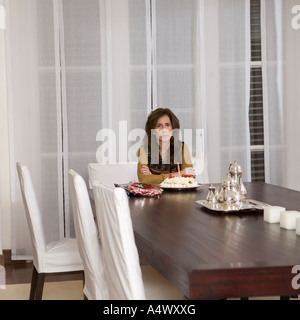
{"points": [[179, 182]]}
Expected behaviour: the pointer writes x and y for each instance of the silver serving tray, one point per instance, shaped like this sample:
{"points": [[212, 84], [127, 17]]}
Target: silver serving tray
{"points": [[245, 205]]}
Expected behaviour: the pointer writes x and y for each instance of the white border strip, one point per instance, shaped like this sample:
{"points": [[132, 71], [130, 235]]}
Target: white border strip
{"points": [[265, 90], [154, 56], [149, 55], [56, 9], [106, 62], [247, 83], [2, 17]]}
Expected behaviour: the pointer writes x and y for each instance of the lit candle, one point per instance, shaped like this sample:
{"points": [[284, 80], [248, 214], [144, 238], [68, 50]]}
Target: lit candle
{"points": [[178, 169], [288, 219], [272, 214]]}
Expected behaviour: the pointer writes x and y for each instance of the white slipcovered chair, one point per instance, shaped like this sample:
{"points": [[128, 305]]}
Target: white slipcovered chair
{"points": [[59, 257], [126, 279], [95, 287], [111, 173]]}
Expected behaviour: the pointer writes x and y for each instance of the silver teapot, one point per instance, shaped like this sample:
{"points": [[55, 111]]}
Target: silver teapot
{"points": [[236, 173], [232, 191]]}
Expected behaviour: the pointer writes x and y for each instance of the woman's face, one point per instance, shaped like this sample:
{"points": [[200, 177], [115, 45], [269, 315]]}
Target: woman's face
{"points": [[163, 129]]}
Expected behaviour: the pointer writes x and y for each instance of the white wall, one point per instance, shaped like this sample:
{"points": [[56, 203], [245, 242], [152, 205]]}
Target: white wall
{"points": [[5, 203]]}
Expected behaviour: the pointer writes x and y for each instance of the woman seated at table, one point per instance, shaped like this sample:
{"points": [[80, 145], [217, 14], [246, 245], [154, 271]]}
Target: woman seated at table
{"points": [[163, 152]]}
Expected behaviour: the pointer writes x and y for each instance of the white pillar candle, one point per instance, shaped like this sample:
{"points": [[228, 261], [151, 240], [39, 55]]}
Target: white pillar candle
{"points": [[288, 219], [298, 226], [272, 213], [2, 18]]}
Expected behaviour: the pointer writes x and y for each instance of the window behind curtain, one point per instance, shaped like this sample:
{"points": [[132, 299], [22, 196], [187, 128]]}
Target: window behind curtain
{"points": [[163, 69], [256, 118]]}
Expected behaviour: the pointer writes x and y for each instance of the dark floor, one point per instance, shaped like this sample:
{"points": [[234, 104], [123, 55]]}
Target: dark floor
{"points": [[21, 272]]}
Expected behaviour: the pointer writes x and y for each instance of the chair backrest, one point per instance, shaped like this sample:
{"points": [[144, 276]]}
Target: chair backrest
{"points": [[121, 260], [33, 214], [95, 287], [109, 173]]}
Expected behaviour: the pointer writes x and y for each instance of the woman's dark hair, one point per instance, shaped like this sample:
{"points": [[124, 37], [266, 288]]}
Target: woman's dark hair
{"points": [[153, 117]]}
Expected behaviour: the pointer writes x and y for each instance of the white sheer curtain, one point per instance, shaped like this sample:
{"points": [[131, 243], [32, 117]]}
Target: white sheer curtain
{"points": [[35, 123], [78, 73], [87, 65], [201, 70], [226, 49], [281, 52]]}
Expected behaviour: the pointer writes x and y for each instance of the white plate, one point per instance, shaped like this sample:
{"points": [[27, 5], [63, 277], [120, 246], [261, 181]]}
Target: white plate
{"points": [[181, 189]]}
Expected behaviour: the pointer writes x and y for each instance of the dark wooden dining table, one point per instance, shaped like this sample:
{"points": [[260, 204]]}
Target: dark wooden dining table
{"points": [[217, 255]]}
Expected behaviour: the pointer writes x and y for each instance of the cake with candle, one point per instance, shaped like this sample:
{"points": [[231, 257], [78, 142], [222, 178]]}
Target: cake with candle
{"points": [[179, 182]]}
